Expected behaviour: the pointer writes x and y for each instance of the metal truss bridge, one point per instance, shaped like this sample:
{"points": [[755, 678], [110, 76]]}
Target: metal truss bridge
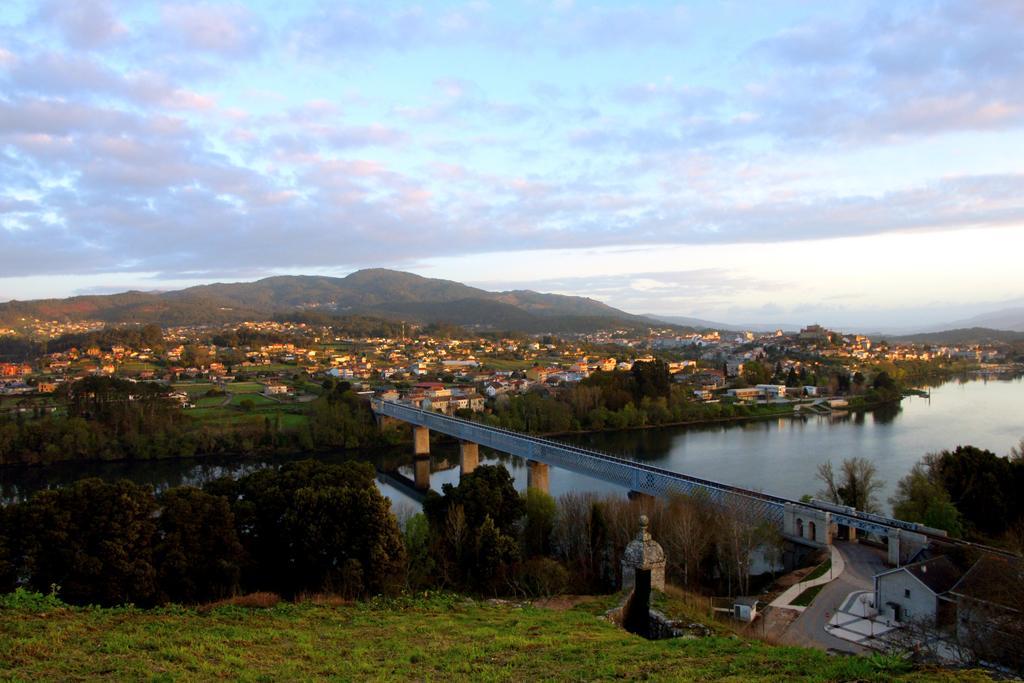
{"points": [[650, 480]]}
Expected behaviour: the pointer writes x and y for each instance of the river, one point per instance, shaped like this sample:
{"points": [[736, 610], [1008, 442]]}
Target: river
{"points": [[775, 456]]}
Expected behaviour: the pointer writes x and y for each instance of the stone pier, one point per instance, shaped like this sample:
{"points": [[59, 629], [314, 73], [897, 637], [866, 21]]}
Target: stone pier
{"points": [[537, 476], [903, 545], [420, 441], [469, 457]]}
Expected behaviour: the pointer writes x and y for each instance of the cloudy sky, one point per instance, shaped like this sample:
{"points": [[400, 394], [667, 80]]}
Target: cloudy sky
{"points": [[845, 162]]}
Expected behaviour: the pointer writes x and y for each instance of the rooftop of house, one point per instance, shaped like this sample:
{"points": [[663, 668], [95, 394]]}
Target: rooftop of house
{"points": [[939, 574], [994, 579]]}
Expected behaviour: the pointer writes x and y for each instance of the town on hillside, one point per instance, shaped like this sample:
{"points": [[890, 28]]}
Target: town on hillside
{"points": [[268, 363]]}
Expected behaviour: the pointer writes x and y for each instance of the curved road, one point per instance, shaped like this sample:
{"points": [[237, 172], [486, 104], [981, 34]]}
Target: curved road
{"points": [[862, 563]]}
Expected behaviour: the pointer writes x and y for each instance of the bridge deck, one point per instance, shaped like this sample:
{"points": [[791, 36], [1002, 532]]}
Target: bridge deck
{"points": [[644, 478]]}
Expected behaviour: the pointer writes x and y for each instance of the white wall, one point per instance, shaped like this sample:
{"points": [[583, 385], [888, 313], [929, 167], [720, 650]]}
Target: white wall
{"points": [[892, 588]]}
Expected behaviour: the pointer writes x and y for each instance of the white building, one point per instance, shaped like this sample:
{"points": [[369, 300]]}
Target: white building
{"points": [[915, 592]]}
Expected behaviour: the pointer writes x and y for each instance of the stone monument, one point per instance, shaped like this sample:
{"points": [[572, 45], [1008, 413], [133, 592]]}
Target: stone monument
{"points": [[643, 555]]}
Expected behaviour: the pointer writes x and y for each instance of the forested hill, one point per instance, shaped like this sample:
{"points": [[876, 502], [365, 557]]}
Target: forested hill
{"points": [[375, 292], [964, 335]]}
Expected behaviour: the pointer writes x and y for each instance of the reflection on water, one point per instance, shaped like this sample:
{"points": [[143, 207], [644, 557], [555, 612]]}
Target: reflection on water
{"points": [[778, 456], [782, 456]]}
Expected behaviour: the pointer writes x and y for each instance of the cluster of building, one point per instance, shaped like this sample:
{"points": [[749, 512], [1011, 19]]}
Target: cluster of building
{"points": [[709, 363]]}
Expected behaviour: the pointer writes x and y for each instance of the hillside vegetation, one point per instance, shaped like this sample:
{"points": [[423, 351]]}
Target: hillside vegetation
{"points": [[373, 292], [432, 637]]}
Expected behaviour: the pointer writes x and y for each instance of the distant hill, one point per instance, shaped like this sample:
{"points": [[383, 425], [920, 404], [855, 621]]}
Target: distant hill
{"points": [[966, 335], [701, 324], [1011, 319], [377, 292]]}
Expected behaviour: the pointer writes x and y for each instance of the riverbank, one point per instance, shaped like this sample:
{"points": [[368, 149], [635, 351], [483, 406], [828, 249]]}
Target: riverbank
{"points": [[786, 412]]}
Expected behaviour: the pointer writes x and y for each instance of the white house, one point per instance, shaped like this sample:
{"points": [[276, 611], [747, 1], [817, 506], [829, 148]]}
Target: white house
{"points": [[916, 592]]}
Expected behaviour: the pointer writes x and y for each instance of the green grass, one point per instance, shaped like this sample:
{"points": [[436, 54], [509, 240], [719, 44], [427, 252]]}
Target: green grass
{"points": [[136, 366], [212, 413], [506, 364], [210, 401], [290, 420], [437, 637], [820, 570], [807, 597], [193, 388], [244, 387], [257, 399]]}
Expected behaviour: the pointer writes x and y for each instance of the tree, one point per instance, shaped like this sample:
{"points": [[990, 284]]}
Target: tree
{"points": [[984, 488], [421, 566], [755, 372], [856, 487], [343, 539], [920, 497], [1017, 453], [8, 553], [94, 540], [475, 525], [540, 522], [687, 535], [197, 554], [487, 492], [314, 526], [651, 379]]}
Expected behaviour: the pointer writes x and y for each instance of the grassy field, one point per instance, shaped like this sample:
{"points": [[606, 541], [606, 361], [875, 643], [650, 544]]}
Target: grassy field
{"points": [[257, 399], [506, 364], [244, 387], [438, 637], [193, 388]]}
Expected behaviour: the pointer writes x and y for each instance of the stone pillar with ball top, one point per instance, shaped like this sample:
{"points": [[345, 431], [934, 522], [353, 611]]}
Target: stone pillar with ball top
{"points": [[643, 554]]}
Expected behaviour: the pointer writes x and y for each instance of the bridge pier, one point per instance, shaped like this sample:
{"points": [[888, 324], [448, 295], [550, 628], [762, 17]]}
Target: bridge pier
{"points": [[421, 469], [420, 441], [903, 545], [537, 476], [469, 457], [808, 525]]}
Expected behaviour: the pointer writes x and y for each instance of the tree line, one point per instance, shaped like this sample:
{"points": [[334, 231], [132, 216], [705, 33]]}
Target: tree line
{"points": [[111, 419], [968, 491], [310, 527], [646, 396]]}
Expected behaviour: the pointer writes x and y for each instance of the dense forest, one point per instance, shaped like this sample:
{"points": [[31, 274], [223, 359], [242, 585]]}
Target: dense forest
{"points": [[310, 527]]}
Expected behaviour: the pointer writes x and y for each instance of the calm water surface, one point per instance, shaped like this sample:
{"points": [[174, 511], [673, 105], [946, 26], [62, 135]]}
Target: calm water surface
{"points": [[777, 456]]}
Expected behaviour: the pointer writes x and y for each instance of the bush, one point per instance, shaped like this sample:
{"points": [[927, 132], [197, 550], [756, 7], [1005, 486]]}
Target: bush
{"points": [[541, 577], [540, 522]]}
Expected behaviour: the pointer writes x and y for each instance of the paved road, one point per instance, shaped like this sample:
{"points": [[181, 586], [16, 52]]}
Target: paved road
{"points": [[862, 563]]}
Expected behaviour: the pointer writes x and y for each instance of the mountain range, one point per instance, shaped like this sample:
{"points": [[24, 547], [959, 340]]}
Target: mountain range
{"points": [[378, 292], [1010, 319]]}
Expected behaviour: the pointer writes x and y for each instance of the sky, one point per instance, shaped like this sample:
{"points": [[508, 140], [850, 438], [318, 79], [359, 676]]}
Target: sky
{"points": [[849, 163]]}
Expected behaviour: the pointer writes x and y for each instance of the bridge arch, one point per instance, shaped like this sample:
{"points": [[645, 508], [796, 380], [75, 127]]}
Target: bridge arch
{"points": [[800, 527], [812, 530]]}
